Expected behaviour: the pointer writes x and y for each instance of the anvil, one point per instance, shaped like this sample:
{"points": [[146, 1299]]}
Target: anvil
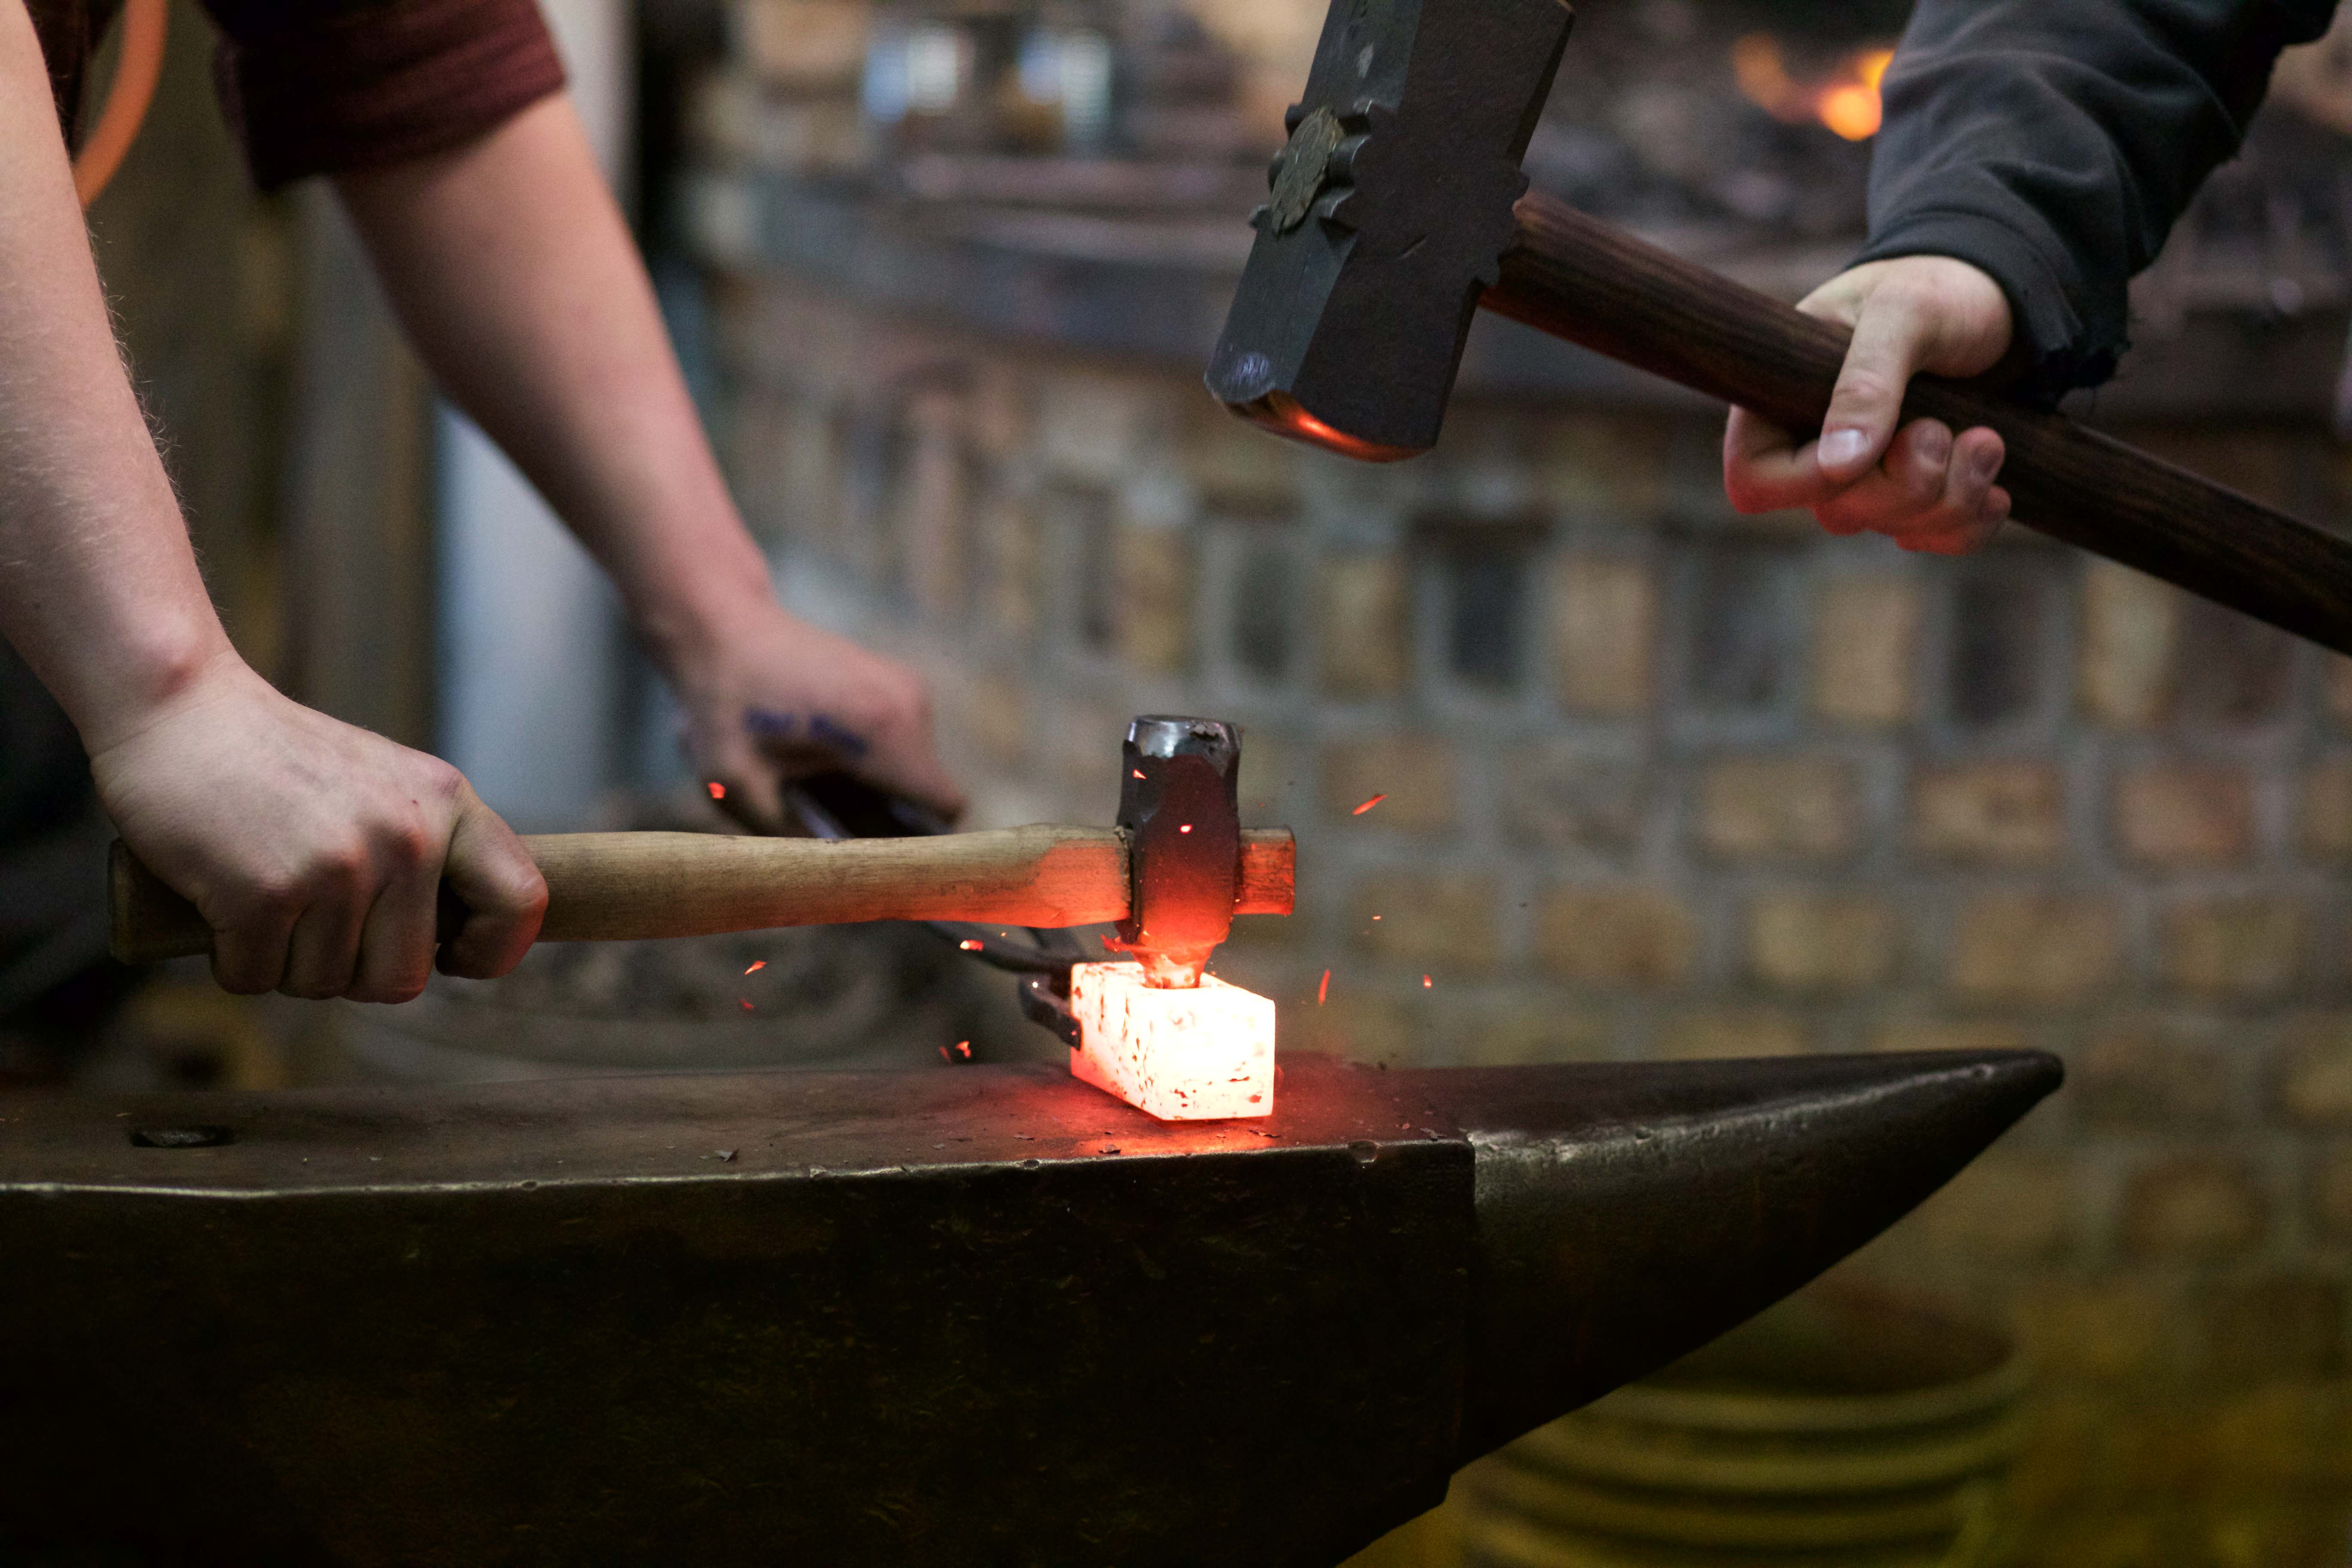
{"points": [[986, 1316]]}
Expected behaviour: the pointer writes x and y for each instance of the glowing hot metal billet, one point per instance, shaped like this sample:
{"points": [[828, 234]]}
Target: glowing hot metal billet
{"points": [[1195, 1053]]}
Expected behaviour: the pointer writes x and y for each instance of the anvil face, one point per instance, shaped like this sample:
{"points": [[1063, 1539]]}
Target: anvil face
{"points": [[986, 1316]]}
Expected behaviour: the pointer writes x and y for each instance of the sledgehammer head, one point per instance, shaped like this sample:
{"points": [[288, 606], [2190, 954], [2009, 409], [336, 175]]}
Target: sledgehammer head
{"points": [[1391, 206]]}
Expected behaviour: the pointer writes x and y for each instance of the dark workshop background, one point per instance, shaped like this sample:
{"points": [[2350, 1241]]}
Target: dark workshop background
{"points": [[1660, 780]]}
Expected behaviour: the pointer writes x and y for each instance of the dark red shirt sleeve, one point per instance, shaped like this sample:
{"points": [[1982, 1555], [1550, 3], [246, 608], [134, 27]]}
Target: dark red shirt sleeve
{"points": [[320, 88]]}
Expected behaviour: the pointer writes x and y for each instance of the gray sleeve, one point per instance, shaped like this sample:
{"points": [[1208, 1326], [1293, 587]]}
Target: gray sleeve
{"points": [[2052, 143]]}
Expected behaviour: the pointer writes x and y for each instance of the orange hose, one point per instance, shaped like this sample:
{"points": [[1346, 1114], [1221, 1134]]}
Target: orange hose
{"points": [[143, 24]]}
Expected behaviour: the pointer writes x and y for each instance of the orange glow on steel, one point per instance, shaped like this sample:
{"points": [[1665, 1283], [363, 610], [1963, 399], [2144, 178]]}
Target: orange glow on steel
{"points": [[1181, 1053], [1322, 434], [1367, 805], [1280, 413]]}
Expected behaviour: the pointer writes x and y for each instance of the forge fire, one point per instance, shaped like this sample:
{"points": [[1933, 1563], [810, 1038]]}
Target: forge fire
{"points": [[1182, 1054]]}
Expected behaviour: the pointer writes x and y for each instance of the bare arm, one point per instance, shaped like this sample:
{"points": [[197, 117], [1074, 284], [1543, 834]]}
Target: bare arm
{"points": [[511, 267], [312, 848], [98, 589]]}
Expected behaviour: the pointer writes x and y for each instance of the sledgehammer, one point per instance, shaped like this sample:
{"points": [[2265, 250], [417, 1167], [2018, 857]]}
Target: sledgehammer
{"points": [[1398, 208]]}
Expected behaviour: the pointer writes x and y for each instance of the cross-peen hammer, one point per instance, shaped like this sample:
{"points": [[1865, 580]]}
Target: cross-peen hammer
{"points": [[1398, 207], [1173, 873]]}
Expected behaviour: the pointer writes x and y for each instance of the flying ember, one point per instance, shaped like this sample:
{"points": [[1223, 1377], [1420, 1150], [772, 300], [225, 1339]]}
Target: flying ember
{"points": [[971, 944], [717, 790], [1323, 990], [1367, 805], [756, 964]]}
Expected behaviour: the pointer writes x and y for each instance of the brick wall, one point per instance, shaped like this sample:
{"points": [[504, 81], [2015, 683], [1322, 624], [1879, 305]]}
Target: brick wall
{"points": [[1665, 782]]}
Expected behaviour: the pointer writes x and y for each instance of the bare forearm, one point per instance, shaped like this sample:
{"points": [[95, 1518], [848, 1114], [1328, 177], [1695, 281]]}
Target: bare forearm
{"points": [[99, 587], [508, 263], [511, 267]]}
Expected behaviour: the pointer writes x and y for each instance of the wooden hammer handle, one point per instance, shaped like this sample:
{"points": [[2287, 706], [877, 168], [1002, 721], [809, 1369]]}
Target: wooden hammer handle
{"points": [[1581, 280], [622, 887]]}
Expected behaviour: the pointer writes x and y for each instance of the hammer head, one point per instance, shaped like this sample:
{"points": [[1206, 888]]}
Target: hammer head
{"points": [[1177, 801], [1392, 207]]}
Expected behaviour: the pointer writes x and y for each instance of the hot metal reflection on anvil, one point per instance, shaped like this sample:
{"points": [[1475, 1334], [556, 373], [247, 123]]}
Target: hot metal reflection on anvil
{"points": [[975, 1318]]}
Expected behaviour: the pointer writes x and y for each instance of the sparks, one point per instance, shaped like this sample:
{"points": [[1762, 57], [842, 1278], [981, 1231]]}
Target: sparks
{"points": [[1367, 805], [1323, 991], [1187, 828], [971, 944], [1424, 983], [963, 1049], [1136, 772], [757, 965], [744, 1002], [943, 1054], [717, 790]]}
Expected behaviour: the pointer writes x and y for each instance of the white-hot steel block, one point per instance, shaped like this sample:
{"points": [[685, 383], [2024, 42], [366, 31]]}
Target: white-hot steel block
{"points": [[1195, 1054]]}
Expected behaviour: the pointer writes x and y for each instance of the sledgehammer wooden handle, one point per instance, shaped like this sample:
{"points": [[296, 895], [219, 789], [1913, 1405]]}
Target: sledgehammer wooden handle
{"points": [[1581, 280], [621, 887]]}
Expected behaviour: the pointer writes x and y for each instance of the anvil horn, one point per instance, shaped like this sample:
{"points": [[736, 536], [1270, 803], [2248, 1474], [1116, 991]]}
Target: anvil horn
{"points": [[987, 1316], [1651, 1207]]}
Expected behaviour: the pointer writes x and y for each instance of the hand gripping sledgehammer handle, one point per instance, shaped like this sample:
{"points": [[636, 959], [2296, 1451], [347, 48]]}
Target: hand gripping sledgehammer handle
{"points": [[622, 887], [1581, 280], [1398, 207]]}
